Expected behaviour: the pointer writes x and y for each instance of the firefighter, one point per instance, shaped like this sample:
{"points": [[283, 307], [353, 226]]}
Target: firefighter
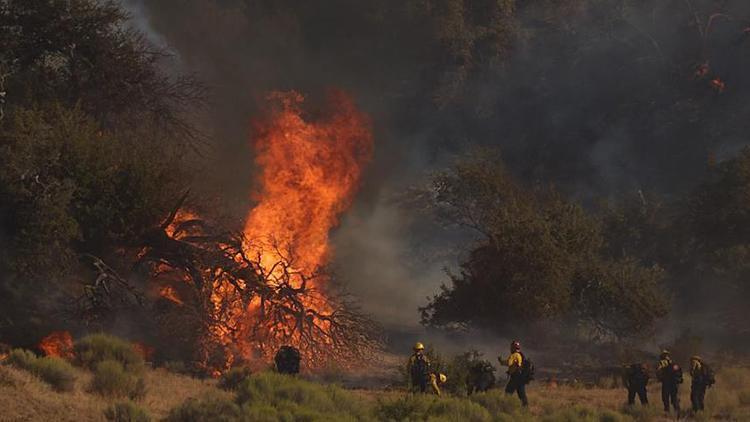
{"points": [[418, 369], [636, 380], [516, 378], [702, 378], [670, 376], [287, 360]]}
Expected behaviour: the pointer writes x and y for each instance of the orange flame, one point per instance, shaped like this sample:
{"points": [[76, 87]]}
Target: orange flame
{"points": [[58, 344], [310, 172], [169, 293], [718, 85]]}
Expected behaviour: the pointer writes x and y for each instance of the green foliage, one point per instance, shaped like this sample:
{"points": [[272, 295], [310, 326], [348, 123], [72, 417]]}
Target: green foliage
{"points": [[299, 398], [54, 371], [88, 161], [489, 406], [206, 409], [111, 379], [97, 348], [21, 358], [232, 379], [538, 256], [81, 51], [126, 411]]}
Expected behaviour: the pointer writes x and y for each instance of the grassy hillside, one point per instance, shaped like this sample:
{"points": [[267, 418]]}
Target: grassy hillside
{"points": [[271, 397]]}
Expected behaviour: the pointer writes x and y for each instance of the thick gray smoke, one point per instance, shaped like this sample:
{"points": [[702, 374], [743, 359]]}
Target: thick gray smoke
{"points": [[598, 99]]}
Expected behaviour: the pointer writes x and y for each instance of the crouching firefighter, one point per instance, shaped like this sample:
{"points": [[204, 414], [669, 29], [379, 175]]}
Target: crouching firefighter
{"points": [[418, 369], [702, 377], [636, 381], [520, 372], [670, 376], [436, 380]]}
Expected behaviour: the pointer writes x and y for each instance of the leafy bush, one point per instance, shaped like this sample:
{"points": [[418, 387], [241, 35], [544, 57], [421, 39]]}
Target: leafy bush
{"points": [[21, 358], [126, 412], [298, 399], [96, 348], [111, 379], [206, 409], [231, 379], [54, 371]]}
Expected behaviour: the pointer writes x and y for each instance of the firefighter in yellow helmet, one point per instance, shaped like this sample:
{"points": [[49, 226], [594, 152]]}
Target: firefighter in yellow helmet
{"points": [[418, 369], [517, 380], [702, 378], [670, 376]]}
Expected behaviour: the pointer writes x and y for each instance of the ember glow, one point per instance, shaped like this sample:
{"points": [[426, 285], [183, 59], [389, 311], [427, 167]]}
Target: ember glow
{"points": [[57, 344], [169, 293]]}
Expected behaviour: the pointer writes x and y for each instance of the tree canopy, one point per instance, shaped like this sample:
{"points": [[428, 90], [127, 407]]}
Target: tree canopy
{"points": [[92, 140], [539, 257]]}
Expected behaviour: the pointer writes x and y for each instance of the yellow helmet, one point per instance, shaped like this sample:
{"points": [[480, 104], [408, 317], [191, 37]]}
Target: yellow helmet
{"points": [[443, 378], [418, 346]]}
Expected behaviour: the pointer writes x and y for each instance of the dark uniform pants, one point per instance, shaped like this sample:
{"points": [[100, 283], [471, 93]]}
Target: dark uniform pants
{"points": [[419, 384], [518, 386], [698, 395], [641, 391], [670, 395]]}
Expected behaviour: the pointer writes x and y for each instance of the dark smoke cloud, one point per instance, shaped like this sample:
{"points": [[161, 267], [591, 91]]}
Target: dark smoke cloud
{"points": [[596, 103]]}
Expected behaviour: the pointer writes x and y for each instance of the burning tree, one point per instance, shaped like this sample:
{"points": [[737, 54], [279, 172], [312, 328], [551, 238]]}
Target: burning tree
{"points": [[254, 291]]}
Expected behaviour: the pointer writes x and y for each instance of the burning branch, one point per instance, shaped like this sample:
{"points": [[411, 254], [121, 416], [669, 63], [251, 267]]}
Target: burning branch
{"points": [[108, 292], [249, 311]]}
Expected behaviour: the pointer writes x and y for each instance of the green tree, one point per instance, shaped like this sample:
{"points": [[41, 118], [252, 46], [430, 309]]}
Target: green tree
{"points": [[93, 137], [538, 256]]}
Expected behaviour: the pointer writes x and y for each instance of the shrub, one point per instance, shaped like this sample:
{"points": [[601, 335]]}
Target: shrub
{"points": [[300, 399], [232, 379], [21, 358], [425, 407], [112, 380], [96, 348], [126, 412], [206, 409], [744, 397], [54, 371]]}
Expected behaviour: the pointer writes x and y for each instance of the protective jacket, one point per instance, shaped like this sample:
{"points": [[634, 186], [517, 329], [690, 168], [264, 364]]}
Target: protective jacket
{"points": [[514, 363]]}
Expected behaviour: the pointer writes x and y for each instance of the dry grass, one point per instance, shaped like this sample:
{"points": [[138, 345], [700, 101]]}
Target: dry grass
{"points": [[24, 397]]}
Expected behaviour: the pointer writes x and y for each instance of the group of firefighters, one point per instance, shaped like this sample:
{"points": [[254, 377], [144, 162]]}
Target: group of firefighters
{"points": [[669, 374], [636, 376], [520, 372]]}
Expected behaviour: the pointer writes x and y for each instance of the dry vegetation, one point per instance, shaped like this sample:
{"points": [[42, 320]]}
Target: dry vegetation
{"points": [[271, 397]]}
